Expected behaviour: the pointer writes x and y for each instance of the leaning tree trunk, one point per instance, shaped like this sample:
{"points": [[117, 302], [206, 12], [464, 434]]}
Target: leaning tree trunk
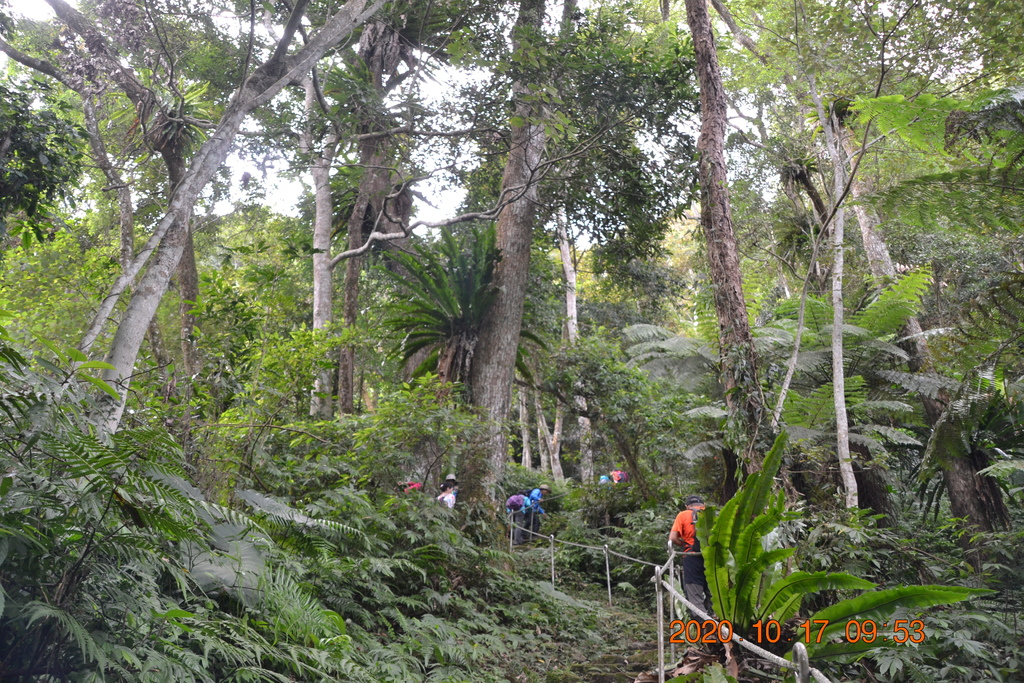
{"points": [[739, 360], [494, 362]]}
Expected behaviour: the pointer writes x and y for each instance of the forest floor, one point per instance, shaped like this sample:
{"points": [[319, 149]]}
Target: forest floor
{"points": [[623, 646], [622, 639]]}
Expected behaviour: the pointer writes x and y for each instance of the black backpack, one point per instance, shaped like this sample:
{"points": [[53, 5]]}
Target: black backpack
{"points": [[696, 541]]}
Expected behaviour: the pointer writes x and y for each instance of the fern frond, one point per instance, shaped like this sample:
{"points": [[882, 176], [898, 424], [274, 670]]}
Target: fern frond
{"points": [[923, 384], [897, 302], [639, 334]]}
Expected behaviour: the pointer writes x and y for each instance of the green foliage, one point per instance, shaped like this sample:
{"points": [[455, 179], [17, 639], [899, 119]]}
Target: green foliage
{"points": [[894, 305], [113, 565], [40, 159], [102, 546], [750, 582], [638, 423], [444, 298]]}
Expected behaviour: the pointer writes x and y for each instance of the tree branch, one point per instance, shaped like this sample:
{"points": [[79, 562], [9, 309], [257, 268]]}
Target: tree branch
{"points": [[97, 44], [39, 65], [289, 30], [741, 36], [408, 130]]}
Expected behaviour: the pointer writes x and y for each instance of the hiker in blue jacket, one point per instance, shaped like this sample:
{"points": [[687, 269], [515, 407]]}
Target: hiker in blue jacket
{"points": [[534, 509]]}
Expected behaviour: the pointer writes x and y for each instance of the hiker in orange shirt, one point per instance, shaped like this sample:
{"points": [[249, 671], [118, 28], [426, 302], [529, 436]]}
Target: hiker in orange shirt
{"points": [[684, 536]]}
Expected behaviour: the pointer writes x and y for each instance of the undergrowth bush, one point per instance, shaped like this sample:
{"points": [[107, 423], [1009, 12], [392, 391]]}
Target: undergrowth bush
{"points": [[114, 567]]}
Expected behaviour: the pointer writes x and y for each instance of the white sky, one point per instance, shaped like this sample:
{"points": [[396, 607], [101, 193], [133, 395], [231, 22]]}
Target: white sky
{"points": [[34, 9]]}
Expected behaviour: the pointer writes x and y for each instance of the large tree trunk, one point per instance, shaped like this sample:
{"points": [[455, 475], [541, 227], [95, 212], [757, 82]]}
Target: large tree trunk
{"points": [[494, 361], [739, 361], [170, 234], [972, 496]]}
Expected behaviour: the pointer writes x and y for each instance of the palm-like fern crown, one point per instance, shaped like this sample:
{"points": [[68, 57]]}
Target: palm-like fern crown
{"points": [[449, 291]]}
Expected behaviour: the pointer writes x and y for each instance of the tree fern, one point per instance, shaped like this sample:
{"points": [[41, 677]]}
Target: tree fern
{"points": [[894, 304]]}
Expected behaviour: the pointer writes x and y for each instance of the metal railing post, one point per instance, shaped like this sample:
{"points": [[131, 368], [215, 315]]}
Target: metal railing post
{"points": [[608, 574], [661, 624], [511, 530], [552, 560], [803, 671], [672, 610]]}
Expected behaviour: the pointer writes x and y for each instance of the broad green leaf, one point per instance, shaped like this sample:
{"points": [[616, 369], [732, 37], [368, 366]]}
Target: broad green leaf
{"points": [[96, 364], [879, 605], [101, 385], [53, 347]]}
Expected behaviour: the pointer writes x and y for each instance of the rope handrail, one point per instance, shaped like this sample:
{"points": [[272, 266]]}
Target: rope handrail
{"points": [[759, 651], [600, 549], [800, 663]]}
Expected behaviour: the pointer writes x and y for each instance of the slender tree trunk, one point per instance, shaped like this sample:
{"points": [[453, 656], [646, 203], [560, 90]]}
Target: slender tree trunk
{"points": [[739, 360], [494, 361], [833, 132], [524, 427], [877, 252], [543, 440], [161, 357], [556, 445], [380, 48], [573, 333], [188, 289], [126, 206], [320, 404], [838, 371]]}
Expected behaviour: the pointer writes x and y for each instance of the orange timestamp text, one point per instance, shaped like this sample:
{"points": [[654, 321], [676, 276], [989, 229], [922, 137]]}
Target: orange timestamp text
{"points": [[809, 631]]}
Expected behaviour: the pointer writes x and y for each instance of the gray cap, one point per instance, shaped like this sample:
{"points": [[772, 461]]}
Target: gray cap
{"points": [[694, 500], [450, 477]]}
